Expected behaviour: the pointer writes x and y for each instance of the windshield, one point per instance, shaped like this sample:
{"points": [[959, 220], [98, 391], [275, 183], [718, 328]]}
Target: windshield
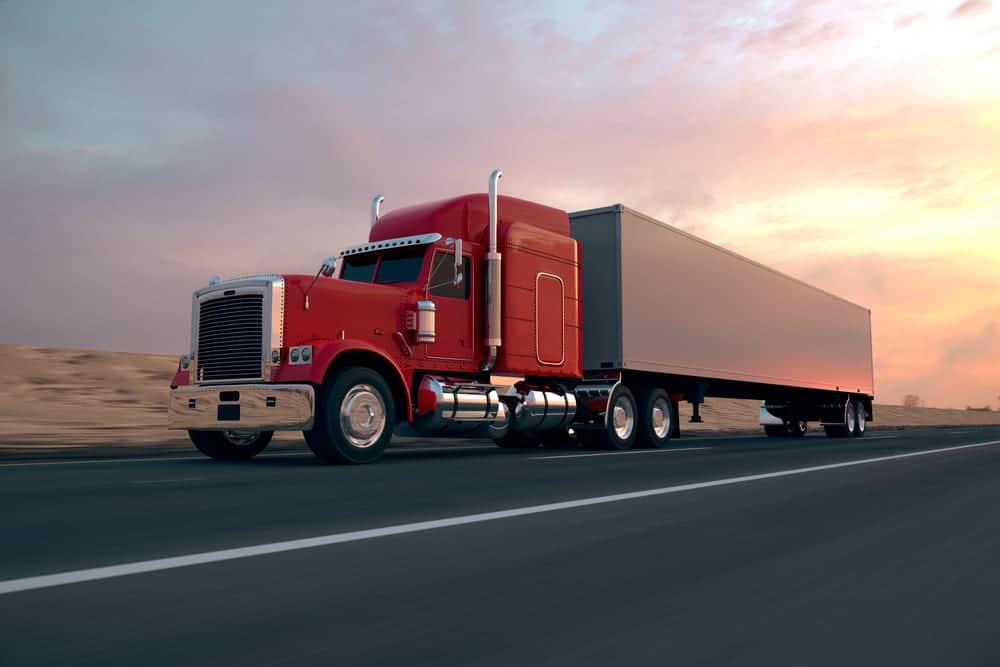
{"points": [[360, 268], [396, 266]]}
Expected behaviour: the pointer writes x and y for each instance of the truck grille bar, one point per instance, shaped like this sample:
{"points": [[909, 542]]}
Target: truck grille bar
{"points": [[230, 338]]}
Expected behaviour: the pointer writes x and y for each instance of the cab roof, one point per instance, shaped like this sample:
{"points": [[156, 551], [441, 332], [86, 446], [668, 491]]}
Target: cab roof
{"points": [[466, 217]]}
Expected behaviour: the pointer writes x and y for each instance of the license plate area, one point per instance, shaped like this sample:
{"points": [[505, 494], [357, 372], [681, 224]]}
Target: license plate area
{"points": [[229, 413]]}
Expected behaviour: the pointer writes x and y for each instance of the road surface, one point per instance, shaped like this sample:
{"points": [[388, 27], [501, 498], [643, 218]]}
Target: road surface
{"points": [[724, 551]]}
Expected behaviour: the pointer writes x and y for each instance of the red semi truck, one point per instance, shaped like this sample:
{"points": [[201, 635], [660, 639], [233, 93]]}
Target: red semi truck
{"points": [[606, 318]]}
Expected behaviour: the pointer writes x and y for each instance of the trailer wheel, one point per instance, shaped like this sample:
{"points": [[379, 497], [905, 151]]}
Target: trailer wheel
{"points": [[231, 445], [797, 428], [621, 422], [355, 415], [860, 419], [656, 418]]}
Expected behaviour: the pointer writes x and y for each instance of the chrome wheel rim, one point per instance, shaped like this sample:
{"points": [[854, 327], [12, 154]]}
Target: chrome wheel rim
{"points": [[850, 418], [623, 418], [861, 419], [362, 416], [240, 438], [803, 426], [660, 419]]}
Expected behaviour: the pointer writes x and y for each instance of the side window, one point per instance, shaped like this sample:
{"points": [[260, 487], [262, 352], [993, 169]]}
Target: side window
{"points": [[443, 272]]}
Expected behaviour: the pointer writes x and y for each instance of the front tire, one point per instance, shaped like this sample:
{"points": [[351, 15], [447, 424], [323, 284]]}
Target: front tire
{"points": [[355, 416], [231, 445]]}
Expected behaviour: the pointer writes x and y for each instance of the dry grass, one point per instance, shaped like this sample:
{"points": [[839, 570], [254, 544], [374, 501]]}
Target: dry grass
{"points": [[57, 398]]}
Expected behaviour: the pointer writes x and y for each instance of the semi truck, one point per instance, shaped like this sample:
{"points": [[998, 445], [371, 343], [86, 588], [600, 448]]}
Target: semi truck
{"points": [[490, 316]]}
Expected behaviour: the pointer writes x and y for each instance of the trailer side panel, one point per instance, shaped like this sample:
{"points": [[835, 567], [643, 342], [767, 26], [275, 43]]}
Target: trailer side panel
{"points": [[691, 308]]}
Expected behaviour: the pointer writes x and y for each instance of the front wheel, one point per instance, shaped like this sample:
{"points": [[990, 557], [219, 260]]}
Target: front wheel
{"points": [[355, 415], [231, 445]]}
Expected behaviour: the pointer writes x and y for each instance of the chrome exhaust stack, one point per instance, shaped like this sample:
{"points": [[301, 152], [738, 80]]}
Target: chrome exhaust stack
{"points": [[493, 338], [376, 211]]}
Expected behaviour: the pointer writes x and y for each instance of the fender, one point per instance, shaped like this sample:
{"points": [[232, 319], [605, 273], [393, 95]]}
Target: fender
{"points": [[326, 353]]}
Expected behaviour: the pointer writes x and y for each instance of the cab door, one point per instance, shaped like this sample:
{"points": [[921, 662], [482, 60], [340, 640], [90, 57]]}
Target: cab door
{"points": [[454, 309]]}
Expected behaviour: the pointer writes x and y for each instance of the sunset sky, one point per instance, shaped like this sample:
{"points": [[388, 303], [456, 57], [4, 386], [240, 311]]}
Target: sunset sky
{"points": [[147, 146]]}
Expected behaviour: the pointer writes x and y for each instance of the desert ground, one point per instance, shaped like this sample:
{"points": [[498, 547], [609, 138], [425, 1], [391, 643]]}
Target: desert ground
{"points": [[60, 400]]}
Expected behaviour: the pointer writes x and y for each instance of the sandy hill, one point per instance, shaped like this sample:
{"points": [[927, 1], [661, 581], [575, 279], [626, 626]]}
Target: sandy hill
{"points": [[58, 398]]}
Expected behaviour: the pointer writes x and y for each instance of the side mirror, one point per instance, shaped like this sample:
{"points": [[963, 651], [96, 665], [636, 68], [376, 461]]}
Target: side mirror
{"points": [[329, 267], [458, 263]]}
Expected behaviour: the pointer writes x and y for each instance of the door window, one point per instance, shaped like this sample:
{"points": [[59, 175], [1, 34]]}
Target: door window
{"points": [[443, 273]]}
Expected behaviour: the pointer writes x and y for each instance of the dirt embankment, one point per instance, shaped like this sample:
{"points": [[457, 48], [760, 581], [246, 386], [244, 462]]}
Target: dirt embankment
{"points": [[75, 399]]}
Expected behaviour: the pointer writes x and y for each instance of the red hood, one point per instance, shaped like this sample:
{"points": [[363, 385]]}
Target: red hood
{"points": [[360, 310]]}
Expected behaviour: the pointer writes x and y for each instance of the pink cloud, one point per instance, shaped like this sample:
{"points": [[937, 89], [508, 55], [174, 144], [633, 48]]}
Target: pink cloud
{"points": [[972, 8]]}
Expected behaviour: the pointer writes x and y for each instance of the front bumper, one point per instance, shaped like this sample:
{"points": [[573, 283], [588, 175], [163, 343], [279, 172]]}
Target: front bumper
{"points": [[242, 407]]}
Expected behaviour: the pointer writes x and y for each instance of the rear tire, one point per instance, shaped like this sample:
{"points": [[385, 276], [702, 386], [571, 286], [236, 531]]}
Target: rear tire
{"points": [[622, 420], [231, 445], [656, 418], [355, 416], [860, 420]]}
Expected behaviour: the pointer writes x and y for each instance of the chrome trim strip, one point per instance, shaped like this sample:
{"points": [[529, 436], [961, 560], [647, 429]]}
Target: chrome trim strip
{"points": [[294, 407], [562, 303], [419, 239]]}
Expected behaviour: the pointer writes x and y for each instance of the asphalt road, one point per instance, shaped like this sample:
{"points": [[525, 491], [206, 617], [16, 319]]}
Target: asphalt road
{"points": [[728, 551]]}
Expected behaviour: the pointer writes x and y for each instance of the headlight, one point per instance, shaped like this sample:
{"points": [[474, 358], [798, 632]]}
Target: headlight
{"points": [[301, 354], [185, 362], [275, 357]]}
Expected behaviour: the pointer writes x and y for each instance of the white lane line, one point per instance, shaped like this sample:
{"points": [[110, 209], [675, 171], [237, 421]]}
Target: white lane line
{"points": [[140, 567], [667, 450]]}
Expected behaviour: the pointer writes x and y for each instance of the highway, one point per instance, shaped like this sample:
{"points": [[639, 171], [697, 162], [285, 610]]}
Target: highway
{"points": [[719, 551]]}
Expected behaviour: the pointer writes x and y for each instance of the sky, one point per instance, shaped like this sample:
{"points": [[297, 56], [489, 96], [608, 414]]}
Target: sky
{"points": [[145, 147]]}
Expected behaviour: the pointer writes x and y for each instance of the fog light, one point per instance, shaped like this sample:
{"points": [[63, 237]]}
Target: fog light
{"points": [[295, 355], [275, 356], [307, 353]]}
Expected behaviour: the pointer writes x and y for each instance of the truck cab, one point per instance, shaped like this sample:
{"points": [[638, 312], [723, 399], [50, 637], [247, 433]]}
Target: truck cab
{"points": [[403, 334]]}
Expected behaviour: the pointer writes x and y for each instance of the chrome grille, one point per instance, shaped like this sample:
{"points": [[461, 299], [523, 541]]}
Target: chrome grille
{"points": [[230, 338]]}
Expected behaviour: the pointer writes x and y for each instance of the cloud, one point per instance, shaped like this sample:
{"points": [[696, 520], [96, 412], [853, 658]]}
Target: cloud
{"points": [[971, 8], [797, 33], [904, 22], [975, 348]]}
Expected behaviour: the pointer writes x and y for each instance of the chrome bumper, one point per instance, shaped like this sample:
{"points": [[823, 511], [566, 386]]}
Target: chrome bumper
{"points": [[242, 407]]}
